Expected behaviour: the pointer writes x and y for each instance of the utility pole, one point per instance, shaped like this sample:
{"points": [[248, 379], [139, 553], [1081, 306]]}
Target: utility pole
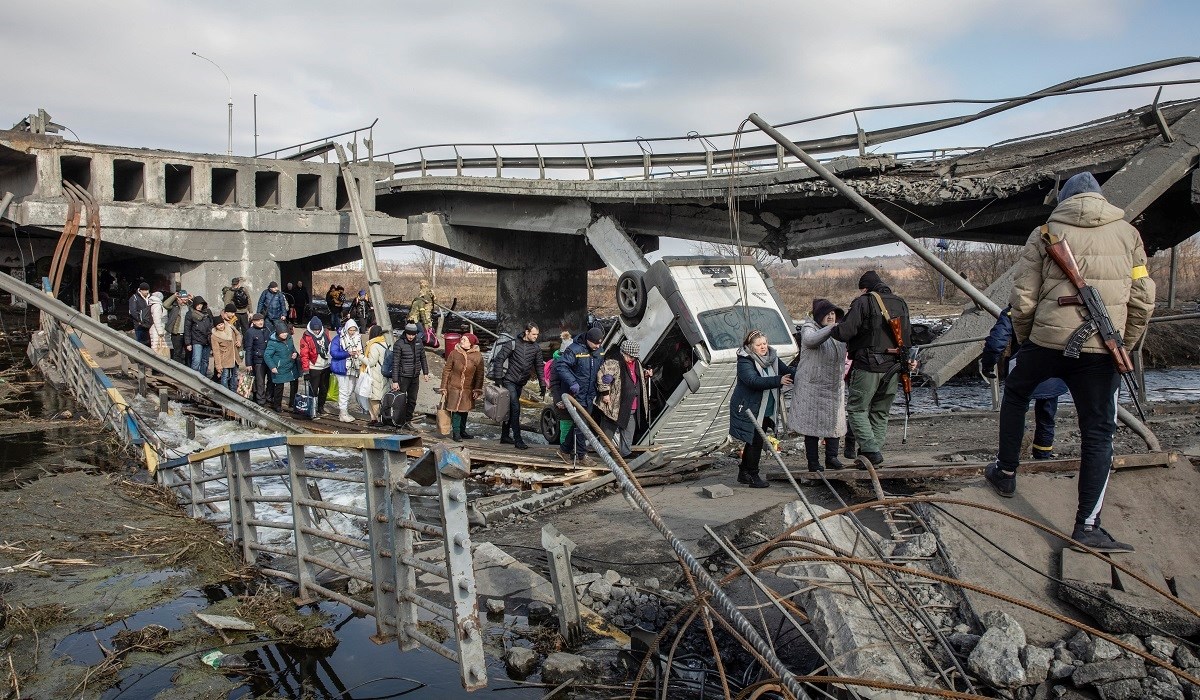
{"points": [[229, 142], [370, 266]]}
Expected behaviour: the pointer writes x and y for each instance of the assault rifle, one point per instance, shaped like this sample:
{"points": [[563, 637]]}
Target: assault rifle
{"points": [[1095, 316]]}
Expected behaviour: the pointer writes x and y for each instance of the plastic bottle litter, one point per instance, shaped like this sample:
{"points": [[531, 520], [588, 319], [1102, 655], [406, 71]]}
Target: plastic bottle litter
{"points": [[226, 662]]}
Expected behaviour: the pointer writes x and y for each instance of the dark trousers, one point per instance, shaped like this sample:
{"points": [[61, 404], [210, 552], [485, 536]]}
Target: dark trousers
{"points": [[318, 386], [178, 352], [261, 382], [410, 385], [514, 413], [752, 453], [142, 335], [276, 398], [1093, 382], [1044, 411]]}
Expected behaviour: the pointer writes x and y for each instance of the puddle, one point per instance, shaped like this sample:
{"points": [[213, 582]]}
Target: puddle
{"points": [[82, 648]]}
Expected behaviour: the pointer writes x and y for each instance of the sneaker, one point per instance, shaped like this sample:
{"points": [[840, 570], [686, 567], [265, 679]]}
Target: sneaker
{"points": [[876, 458], [1004, 482], [587, 461], [346, 418], [1098, 539], [567, 458], [757, 482]]}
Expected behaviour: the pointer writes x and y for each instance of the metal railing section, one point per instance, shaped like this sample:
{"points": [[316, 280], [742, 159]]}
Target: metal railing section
{"points": [[384, 559], [679, 156], [323, 145], [92, 388]]}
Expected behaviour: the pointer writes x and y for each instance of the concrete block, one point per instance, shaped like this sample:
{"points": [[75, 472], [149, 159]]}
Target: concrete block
{"points": [[717, 491], [1081, 566]]}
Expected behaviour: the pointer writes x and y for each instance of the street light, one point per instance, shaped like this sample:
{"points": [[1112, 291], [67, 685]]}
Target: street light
{"points": [[229, 149]]}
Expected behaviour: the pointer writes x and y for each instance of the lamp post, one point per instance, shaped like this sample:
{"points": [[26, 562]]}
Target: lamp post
{"points": [[229, 147]]}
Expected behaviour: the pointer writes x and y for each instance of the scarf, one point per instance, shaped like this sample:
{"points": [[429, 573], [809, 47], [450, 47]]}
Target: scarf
{"points": [[226, 335], [766, 367], [321, 341]]}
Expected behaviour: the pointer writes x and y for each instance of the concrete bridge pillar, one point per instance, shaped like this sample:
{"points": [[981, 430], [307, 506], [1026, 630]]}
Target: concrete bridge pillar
{"points": [[552, 297]]}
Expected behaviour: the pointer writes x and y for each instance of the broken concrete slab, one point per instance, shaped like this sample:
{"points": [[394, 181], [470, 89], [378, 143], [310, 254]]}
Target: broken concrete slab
{"points": [[1108, 671], [996, 658], [1117, 611], [520, 662], [560, 667], [717, 491]]}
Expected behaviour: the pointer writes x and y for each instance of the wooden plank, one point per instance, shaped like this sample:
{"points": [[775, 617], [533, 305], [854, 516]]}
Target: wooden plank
{"points": [[1085, 568], [943, 470]]}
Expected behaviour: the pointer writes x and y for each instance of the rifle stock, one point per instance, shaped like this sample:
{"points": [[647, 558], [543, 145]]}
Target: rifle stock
{"points": [[898, 336], [1060, 252]]}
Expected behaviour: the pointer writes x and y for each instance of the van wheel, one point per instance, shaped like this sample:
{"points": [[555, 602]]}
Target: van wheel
{"points": [[631, 294], [549, 426]]}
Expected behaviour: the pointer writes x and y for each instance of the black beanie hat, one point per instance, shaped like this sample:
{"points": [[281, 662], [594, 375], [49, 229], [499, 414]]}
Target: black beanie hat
{"points": [[869, 280], [230, 308], [821, 308]]}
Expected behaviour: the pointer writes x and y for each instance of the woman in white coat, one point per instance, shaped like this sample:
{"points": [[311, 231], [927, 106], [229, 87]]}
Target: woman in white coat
{"points": [[160, 340], [818, 407]]}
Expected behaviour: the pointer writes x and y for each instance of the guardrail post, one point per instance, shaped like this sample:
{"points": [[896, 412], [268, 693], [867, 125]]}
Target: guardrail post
{"points": [[244, 477], [233, 485], [163, 403], [558, 553], [453, 467], [305, 571], [405, 577], [196, 488], [381, 534]]}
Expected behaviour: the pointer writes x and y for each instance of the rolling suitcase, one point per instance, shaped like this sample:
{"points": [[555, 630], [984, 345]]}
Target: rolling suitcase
{"points": [[392, 407], [305, 405]]}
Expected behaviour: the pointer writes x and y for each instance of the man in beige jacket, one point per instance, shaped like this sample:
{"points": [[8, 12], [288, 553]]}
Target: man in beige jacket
{"points": [[1110, 257]]}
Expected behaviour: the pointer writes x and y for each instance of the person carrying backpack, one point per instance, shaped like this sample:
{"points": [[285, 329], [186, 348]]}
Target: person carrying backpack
{"points": [[521, 361], [409, 363], [577, 369], [237, 295]]}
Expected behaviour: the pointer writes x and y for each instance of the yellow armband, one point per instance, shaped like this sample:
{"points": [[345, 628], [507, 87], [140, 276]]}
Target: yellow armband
{"points": [[1138, 272]]}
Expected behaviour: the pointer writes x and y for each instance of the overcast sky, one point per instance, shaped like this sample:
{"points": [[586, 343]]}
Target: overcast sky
{"points": [[434, 72]]}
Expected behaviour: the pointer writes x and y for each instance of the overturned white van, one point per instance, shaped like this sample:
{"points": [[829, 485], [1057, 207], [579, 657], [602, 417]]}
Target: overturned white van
{"points": [[689, 316]]}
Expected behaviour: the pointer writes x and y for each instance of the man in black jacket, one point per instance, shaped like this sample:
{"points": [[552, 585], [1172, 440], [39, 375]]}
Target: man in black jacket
{"points": [[408, 363], [524, 357], [139, 313], [876, 361], [255, 343]]}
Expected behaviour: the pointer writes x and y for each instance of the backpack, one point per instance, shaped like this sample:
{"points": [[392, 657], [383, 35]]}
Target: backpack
{"points": [[241, 299], [496, 368], [389, 361]]}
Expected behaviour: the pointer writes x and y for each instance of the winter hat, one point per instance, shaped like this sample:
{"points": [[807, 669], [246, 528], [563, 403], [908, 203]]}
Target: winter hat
{"points": [[257, 317], [182, 293], [631, 347], [410, 328], [230, 308], [314, 325], [198, 301], [362, 292], [375, 332], [473, 338], [822, 307], [594, 335], [869, 280], [144, 285], [235, 280], [273, 285], [1078, 184]]}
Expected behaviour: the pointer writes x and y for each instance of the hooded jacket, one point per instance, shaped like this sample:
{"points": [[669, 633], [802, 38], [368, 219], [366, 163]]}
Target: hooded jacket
{"points": [[1110, 257], [339, 350], [577, 369], [197, 327]]}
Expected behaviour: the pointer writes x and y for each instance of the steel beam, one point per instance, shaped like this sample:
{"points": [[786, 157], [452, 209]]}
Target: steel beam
{"points": [[374, 284]]}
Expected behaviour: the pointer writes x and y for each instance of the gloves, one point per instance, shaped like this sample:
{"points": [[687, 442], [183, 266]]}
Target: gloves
{"points": [[575, 390], [607, 379], [988, 371]]}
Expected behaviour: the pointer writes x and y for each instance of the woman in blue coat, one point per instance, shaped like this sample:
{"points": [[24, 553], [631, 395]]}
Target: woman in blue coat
{"points": [[760, 375]]}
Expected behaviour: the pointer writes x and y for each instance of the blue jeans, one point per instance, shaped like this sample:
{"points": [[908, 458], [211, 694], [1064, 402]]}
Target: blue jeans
{"points": [[200, 359], [1093, 381], [229, 378], [1044, 411]]}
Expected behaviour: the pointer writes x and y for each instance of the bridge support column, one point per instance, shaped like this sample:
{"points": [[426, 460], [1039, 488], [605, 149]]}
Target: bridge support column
{"points": [[552, 297]]}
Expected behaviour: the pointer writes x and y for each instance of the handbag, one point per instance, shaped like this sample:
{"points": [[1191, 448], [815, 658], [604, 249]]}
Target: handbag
{"points": [[495, 402], [245, 383], [331, 394], [305, 405], [445, 425]]}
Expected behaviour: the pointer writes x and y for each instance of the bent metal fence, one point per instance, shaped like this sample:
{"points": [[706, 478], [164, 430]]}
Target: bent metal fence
{"points": [[221, 484]]}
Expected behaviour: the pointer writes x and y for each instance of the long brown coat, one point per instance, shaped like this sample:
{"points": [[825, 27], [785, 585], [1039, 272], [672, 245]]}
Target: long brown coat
{"points": [[462, 375]]}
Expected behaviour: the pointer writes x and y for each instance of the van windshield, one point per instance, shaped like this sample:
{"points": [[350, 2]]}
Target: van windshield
{"points": [[727, 327]]}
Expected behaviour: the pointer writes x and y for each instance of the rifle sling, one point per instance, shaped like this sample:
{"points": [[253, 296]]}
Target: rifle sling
{"points": [[887, 322]]}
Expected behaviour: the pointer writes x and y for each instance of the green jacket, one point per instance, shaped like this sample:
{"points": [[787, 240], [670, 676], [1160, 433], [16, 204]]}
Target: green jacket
{"points": [[278, 355]]}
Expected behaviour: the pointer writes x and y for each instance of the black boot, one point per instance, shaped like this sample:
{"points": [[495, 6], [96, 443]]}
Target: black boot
{"points": [[831, 454], [756, 481], [456, 436], [743, 476], [849, 452], [812, 450]]}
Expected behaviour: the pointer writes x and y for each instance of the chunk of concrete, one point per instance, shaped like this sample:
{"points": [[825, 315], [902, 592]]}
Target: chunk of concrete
{"points": [[717, 491], [1102, 650], [996, 659], [1102, 672], [1129, 689], [1036, 662], [495, 606], [1118, 611], [520, 662], [560, 666]]}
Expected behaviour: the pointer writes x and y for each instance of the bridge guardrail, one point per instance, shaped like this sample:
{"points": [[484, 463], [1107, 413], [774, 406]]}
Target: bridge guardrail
{"points": [[384, 559]]}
